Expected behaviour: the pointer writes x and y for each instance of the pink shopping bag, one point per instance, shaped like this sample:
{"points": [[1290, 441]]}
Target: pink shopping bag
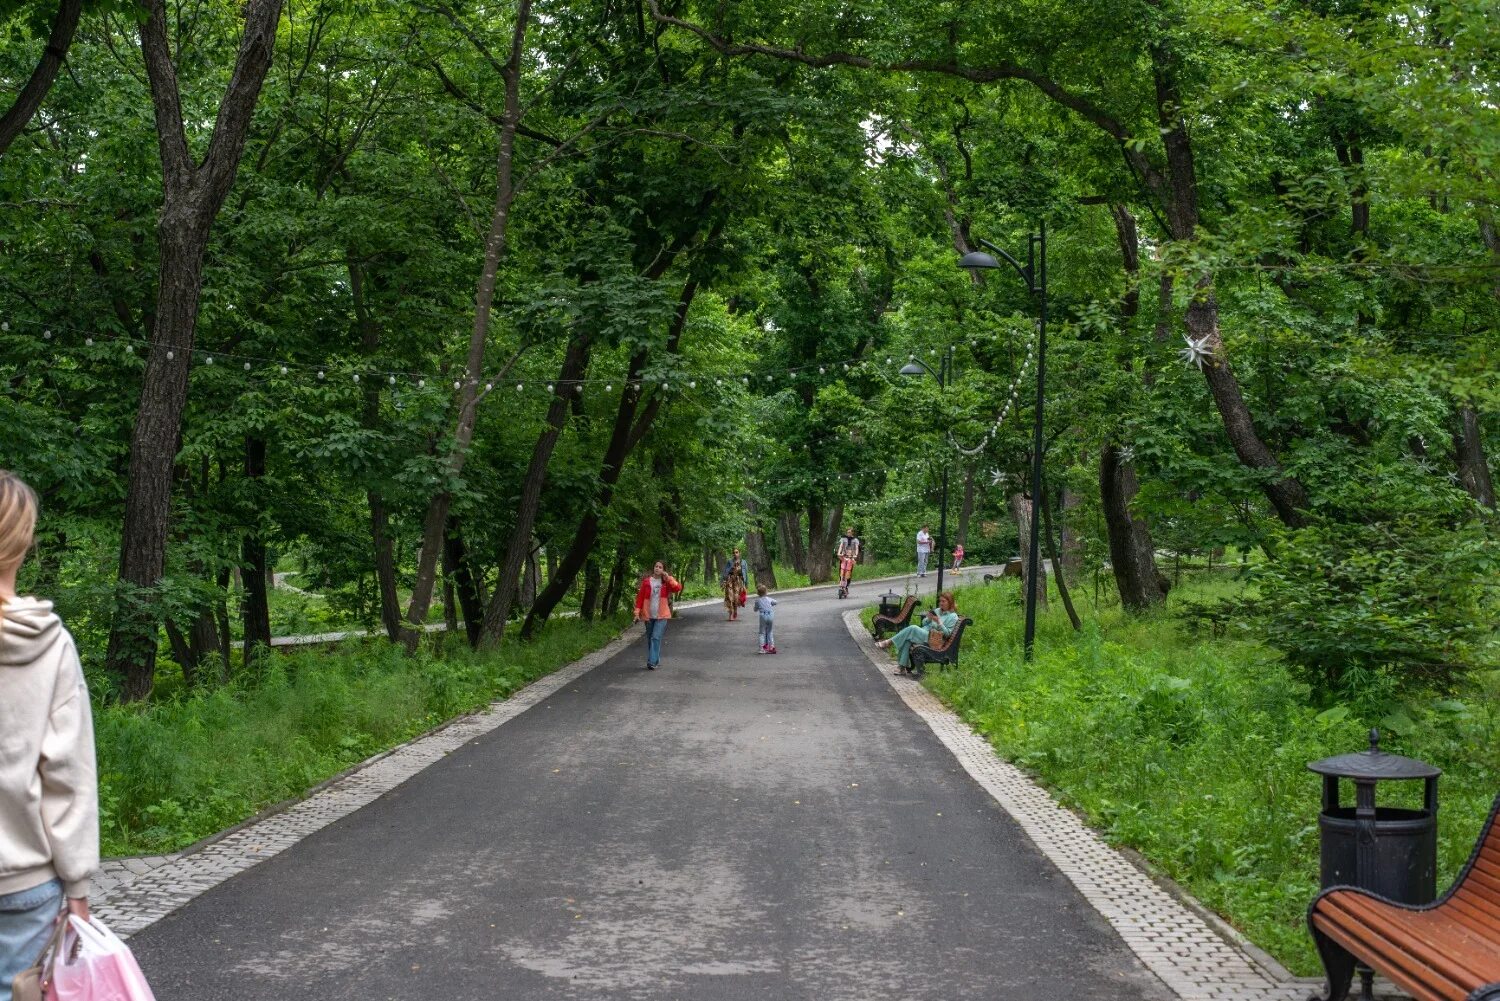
{"points": [[96, 966]]}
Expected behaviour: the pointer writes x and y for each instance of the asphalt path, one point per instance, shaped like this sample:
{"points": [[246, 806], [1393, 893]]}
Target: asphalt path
{"points": [[732, 825]]}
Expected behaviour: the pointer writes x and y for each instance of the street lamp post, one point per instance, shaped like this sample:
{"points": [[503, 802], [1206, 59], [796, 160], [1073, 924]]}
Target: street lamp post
{"points": [[1034, 274], [943, 373]]}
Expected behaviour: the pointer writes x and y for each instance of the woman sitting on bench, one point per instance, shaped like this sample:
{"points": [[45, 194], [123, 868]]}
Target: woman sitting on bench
{"points": [[942, 620]]}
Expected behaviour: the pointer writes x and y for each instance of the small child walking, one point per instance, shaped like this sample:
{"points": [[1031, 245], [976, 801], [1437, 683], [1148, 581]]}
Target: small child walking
{"points": [[765, 607], [958, 557]]}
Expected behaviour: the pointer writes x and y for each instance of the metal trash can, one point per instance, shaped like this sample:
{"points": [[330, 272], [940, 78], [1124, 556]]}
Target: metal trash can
{"points": [[890, 603], [1387, 850]]}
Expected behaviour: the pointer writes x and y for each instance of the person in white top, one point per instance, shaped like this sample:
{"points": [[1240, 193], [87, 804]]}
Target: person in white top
{"points": [[49, 798], [924, 550]]}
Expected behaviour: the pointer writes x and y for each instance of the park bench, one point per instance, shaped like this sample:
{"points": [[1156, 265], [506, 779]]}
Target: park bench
{"points": [[1448, 950], [944, 652], [895, 623]]}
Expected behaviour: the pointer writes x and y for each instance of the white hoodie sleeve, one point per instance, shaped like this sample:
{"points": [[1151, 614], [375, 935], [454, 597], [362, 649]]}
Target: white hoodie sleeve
{"points": [[70, 794]]}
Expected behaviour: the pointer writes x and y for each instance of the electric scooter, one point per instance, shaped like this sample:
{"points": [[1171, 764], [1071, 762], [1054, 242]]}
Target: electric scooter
{"points": [[846, 574]]}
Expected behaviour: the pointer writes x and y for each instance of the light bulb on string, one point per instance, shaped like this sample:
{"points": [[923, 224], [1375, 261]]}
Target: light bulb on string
{"points": [[550, 388], [209, 360], [609, 387], [283, 370], [693, 384], [171, 355], [4, 326], [356, 376], [392, 380], [321, 375], [457, 384], [130, 349], [88, 342], [421, 383], [247, 366], [46, 335], [746, 380]]}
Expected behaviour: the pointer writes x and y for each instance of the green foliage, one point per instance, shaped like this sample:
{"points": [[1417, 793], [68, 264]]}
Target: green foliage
{"points": [[179, 770], [1348, 600], [1193, 751]]}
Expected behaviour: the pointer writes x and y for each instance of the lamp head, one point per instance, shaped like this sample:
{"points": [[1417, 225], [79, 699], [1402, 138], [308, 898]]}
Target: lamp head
{"points": [[978, 259], [912, 368]]}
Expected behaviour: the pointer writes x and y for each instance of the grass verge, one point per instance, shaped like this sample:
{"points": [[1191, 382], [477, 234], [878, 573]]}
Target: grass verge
{"points": [[173, 772], [1194, 751]]}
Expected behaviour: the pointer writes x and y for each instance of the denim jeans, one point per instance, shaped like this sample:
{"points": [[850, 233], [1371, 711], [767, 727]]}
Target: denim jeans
{"points": [[654, 630], [922, 555], [766, 639], [25, 922]]}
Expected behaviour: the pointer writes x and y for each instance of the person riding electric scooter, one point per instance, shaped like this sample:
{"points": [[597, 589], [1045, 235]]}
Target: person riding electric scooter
{"points": [[848, 555]]}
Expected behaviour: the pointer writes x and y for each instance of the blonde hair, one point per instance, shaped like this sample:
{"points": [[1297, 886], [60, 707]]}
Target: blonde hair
{"points": [[18, 507]]}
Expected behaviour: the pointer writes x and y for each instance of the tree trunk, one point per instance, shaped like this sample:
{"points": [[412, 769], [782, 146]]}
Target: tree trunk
{"points": [[588, 605], [1072, 546], [966, 509], [464, 585], [822, 531], [256, 607], [709, 573], [1132, 553], [790, 527], [1020, 509], [192, 197], [755, 547], [438, 507], [1473, 467], [64, 24], [1052, 552], [529, 579], [617, 580], [575, 364], [628, 431], [385, 569]]}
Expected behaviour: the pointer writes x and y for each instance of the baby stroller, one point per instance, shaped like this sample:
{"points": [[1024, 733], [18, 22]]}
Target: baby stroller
{"points": [[846, 574]]}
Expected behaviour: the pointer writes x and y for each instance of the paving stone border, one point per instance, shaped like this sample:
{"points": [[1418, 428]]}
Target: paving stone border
{"points": [[133, 893], [1173, 941]]}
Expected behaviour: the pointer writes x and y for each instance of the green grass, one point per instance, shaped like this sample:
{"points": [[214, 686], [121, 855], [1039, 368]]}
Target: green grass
{"points": [[1194, 750], [176, 771]]}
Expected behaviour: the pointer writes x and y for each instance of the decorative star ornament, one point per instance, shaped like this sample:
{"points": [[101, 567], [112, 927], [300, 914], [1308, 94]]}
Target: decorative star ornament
{"points": [[1196, 352]]}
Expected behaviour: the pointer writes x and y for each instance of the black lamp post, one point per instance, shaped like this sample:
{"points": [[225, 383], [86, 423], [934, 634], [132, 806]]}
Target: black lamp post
{"points": [[1034, 274], [943, 373]]}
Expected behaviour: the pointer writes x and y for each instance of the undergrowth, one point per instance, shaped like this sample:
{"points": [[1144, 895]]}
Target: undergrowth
{"points": [[175, 771], [1193, 750]]}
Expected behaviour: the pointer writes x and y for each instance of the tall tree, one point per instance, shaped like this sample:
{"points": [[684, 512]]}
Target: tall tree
{"points": [[193, 194]]}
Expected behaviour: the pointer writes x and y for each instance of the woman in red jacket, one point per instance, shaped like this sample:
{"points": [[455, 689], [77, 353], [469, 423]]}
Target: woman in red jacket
{"points": [[653, 607]]}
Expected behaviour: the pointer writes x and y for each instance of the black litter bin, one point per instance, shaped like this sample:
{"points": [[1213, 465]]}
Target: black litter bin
{"points": [[890, 603], [1386, 850]]}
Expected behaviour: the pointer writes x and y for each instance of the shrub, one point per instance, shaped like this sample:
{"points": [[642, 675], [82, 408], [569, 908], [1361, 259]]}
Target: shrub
{"points": [[1354, 599]]}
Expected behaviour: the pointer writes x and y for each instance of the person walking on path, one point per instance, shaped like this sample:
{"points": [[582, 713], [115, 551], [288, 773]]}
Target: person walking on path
{"points": [[958, 558], [653, 608], [49, 799], [924, 550], [944, 620], [765, 608], [735, 579]]}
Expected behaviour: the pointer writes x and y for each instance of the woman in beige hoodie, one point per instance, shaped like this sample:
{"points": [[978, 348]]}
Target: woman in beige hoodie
{"points": [[49, 802]]}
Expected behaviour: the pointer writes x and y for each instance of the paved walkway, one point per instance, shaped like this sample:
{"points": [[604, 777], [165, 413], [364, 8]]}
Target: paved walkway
{"points": [[730, 826]]}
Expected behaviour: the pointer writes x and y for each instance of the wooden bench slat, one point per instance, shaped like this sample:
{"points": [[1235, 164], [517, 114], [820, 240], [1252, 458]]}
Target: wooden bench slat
{"points": [[1463, 947], [1418, 980], [1470, 911], [1434, 944]]}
